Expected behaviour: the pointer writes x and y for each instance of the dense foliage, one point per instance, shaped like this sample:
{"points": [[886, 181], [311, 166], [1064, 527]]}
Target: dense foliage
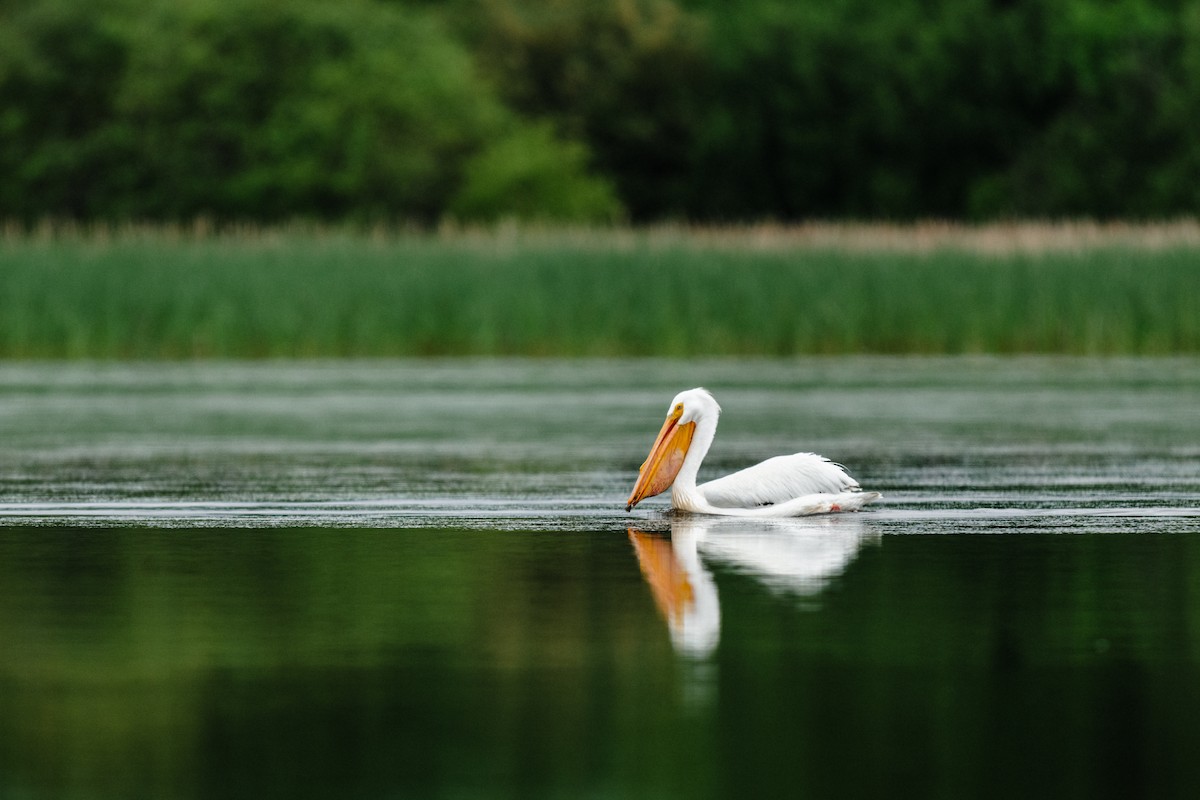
{"points": [[588, 109], [260, 110]]}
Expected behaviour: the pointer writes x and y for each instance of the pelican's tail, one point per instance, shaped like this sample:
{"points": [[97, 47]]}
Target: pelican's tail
{"points": [[852, 501], [824, 504]]}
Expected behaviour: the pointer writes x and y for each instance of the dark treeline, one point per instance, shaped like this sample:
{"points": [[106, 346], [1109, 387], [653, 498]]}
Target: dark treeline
{"points": [[595, 110]]}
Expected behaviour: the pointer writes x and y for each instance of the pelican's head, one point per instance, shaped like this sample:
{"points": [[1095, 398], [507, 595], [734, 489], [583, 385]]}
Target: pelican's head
{"points": [[670, 448]]}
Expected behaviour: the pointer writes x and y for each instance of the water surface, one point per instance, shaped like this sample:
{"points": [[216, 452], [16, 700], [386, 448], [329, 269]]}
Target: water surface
{"points": [[416, 579]]}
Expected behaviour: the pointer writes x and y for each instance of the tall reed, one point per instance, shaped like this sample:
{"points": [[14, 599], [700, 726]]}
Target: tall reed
{"points": [[301, 292]]}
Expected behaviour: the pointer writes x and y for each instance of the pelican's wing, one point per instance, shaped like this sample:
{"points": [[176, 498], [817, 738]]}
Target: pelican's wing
{"points": [[777, 480]]}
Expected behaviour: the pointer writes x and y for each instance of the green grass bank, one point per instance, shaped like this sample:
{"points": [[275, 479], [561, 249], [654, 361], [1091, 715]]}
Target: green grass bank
{"points": [[170, 292]]}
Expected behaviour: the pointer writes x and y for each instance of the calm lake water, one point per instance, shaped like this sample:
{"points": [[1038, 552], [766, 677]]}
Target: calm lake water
{"points": [[417, 579]]}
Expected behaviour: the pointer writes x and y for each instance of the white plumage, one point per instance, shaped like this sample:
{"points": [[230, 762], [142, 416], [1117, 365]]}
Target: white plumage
{"points": [[778, 480], [784, 486]]}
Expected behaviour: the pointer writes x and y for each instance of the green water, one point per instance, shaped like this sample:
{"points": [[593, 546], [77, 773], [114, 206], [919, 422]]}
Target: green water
{"points": [[416, 579]]}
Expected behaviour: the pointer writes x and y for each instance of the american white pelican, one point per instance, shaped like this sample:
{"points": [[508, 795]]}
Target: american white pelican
{"points": [[784, 486]]}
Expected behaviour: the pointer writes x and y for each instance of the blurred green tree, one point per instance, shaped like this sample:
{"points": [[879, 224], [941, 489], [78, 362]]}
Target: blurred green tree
{"points": [[532, 174], [1124, 138], [957, 108], [248, 109], [61, 149], [244, 108], [626, 76]]}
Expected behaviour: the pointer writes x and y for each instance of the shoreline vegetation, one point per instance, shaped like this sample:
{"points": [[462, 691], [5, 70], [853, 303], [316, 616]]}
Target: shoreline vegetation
{"points": [[213, 290]]}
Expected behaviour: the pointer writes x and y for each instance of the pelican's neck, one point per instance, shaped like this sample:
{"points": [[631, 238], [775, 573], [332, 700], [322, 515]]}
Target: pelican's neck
{"points": [[684, 494]]}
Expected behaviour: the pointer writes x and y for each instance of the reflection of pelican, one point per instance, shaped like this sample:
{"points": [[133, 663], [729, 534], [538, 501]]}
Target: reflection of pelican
{"points": [[795, 556], [784, 486], [683, 589]]}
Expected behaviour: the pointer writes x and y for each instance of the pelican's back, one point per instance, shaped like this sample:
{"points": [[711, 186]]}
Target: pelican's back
{"points": [[778, 480]]}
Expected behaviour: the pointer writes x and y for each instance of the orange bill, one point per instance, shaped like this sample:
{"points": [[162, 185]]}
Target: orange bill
{"points": [[665, 460]]}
